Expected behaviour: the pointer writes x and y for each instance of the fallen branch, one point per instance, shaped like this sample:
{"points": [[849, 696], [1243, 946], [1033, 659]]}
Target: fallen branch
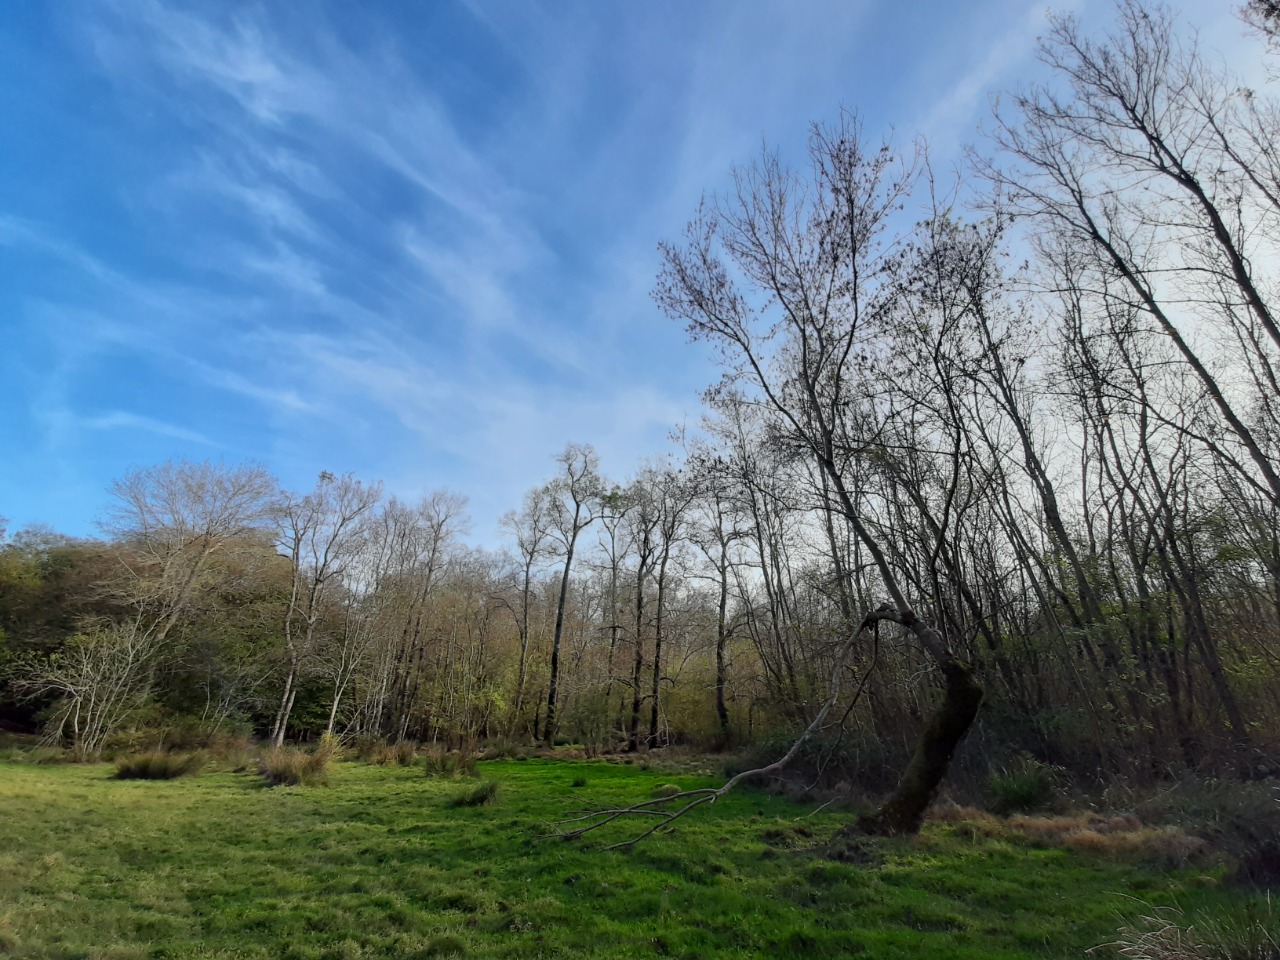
{"points": [[596, 819]]}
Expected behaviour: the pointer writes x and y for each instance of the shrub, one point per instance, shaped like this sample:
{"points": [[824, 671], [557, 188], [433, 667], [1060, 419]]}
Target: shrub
{"points": [[486, 791], [1259, 867], [827, 759], [158, 765], [503, 749], [290, 766], [1025, 786], [579, 781]]}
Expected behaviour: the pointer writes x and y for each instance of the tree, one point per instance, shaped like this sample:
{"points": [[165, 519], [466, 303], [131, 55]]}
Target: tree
{"points": [[798, 285], [715, 534], [1263, 16], [423, 539], [97, 678], [531, 530], [172, 519], [675, 494], [574, 506], [320, 533], [1151, 182]]}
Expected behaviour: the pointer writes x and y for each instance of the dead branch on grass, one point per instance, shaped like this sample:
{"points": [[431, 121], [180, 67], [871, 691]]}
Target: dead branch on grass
{"points": [[595, 819]]}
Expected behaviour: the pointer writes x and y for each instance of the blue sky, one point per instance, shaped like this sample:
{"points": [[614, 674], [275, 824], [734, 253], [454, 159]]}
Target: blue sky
{"points": [[410, 240]]}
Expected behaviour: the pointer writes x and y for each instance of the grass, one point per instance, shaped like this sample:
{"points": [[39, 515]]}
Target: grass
{"points": [[295, 767], [486, 791], [1024, 786], [380, 865], [158, 765]]}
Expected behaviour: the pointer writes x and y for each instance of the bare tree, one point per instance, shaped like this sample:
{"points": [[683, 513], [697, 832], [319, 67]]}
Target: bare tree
{"points": [[97, 679], [1155, 183], [172, 519], [812, 334], [319, 533], [531, 530], [574, 506]]}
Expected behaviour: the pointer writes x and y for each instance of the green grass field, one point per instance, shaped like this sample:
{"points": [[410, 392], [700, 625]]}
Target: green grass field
{"points": [[379, 864]]}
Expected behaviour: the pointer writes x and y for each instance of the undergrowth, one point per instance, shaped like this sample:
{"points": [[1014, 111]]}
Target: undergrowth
{"points": [[1025, 786]]}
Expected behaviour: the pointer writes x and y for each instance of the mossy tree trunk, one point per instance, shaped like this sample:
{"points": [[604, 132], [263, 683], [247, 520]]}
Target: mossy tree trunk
{"points": [[904, 810]]}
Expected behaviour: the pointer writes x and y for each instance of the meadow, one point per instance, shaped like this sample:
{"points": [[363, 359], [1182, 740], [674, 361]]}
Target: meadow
{"points": [[385, 862]]}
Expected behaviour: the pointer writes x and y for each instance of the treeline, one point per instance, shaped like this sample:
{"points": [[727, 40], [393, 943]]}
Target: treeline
{"points": [[1031, 451]]}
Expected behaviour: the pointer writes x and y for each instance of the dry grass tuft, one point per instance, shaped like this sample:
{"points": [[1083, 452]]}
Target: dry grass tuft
{"points": [[291, 766], [401, 754], [1122, 836], [1167, 933]]}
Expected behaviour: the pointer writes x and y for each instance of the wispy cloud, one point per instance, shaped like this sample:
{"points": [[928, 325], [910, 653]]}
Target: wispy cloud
{"points": [[120, 420], [415, 241]]}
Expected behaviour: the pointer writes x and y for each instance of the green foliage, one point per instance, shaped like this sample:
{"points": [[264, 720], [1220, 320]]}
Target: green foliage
{"points": [[1024, 786], [663, 791], [486, 791], [159, 765]]}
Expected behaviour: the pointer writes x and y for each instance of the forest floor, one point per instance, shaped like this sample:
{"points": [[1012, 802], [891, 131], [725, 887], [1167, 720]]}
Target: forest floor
{"points": [[379, 864]]}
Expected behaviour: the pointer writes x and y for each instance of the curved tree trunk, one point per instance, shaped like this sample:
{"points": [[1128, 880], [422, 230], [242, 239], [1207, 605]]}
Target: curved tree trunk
{"points": [[904, 810]]}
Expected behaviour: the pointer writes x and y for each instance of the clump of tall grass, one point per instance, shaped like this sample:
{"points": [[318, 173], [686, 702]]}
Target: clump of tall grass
{"points": [[294, 767], [1024, 786], [158, 765], [486, 791], [439, 762], [400, 754], [1167, 933]]}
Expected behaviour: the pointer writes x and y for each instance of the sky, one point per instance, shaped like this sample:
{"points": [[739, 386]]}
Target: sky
{"points": [[414, 241]]}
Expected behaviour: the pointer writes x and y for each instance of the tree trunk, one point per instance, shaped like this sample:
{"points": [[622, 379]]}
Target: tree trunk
{"points": [[722, 710], [553, 688], [902, 812]]}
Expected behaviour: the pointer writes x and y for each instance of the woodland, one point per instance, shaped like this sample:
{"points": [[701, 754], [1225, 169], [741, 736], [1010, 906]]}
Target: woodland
{"points": [[990, 482]]}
